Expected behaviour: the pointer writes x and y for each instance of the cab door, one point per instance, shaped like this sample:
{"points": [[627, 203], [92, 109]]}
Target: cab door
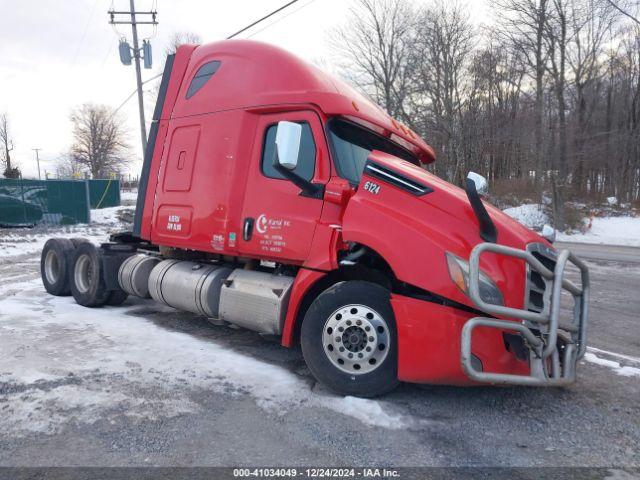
{"points": [[278, 219]]}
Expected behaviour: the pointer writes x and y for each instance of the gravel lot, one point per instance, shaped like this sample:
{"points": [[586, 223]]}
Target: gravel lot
{"points": [[146, 385]]}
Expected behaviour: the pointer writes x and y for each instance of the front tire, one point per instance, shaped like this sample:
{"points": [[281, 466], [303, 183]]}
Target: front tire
{"points": [[349, 340]]}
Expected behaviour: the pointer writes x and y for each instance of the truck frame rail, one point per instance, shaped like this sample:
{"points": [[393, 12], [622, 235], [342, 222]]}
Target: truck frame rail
{"points": [[552, 363]]}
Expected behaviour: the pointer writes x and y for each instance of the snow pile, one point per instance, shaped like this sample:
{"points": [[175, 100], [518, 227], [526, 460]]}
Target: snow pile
{"points": [[20, 241], [369, 412], [624, 371], [608, 230], [108, 216], [529, 214], [13, 244], [603, 230], [129, 195]]}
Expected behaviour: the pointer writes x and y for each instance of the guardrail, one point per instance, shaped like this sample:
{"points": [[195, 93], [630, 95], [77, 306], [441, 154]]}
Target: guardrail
{"points": [[539, 329]]}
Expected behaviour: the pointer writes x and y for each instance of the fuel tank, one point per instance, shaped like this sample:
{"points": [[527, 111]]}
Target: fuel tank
{"points": [[189, 286]]}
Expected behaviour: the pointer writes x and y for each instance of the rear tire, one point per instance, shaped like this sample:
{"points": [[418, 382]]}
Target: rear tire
{"points": [[55, 264], [116, 297], [349, 341], [78, 240], [87, 283]]}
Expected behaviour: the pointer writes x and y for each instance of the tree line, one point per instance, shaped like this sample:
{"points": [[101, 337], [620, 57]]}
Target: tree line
{"points": [[545, 98]]}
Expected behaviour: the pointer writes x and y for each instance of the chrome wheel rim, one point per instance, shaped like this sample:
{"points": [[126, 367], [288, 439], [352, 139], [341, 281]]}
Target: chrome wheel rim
{"points": [[52, 267], [356, 339], [82, 273]]}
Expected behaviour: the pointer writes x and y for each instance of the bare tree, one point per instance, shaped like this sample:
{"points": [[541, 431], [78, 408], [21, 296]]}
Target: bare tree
{"points": [[376, 43], [590, 25], [181, 38], [552, 87], [523, 25], [6, 144], [557, 38], [444, 47], [494, 131], [67, 167], [625, 9], [99, 140]]}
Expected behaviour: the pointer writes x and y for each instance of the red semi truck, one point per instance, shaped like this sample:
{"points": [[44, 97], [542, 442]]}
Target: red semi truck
{"points": [[277, 198]]}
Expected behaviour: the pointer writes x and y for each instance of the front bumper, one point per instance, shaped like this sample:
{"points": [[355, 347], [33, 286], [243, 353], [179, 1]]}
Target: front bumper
{"points": [[551, 362]]}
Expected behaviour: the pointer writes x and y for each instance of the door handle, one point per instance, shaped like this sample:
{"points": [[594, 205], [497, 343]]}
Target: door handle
{"points": [[247, 229]]}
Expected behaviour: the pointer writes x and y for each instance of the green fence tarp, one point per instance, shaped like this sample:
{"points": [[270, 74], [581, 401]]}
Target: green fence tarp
{"points": [[28, 202], [104, 193]]}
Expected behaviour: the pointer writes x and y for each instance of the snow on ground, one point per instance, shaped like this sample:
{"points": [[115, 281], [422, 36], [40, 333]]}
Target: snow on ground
{"points": [[623, 370], [48, 340], [604, 230], [609, 231], [106, 216], [128, 196], [529, 214], [50, 348], [19, 241]]}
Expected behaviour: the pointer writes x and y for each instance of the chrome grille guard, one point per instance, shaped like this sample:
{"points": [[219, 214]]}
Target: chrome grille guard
{"points": [[539, 329]]}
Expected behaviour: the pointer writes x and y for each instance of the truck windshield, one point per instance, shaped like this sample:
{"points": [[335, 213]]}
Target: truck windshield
{"points": [[351, 146]]}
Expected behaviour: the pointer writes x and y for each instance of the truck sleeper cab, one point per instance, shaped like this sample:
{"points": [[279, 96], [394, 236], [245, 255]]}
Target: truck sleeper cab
{"points": [[277, 198]]}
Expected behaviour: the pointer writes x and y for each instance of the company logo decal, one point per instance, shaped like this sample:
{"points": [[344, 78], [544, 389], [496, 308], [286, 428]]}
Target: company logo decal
{"points": [[262, 224], [273, 233]]}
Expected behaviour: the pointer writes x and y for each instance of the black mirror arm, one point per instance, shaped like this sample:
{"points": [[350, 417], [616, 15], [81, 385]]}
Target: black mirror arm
{"points": [[488, 230], [308, 189]]}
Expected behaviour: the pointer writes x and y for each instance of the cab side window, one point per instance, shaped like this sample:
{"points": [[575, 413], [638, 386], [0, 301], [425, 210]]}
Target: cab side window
{"points": [[306, 156]]}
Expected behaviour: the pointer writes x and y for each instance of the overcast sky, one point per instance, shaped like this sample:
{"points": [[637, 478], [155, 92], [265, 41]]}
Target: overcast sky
{"points": [[58, 54]]}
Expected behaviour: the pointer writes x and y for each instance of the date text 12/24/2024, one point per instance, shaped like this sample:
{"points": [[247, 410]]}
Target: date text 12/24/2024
{"points": [[315, 473]]}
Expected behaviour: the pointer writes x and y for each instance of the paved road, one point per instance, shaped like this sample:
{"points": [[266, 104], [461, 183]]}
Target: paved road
{"points": [[612, 253], [615, 296], [143, 385]]}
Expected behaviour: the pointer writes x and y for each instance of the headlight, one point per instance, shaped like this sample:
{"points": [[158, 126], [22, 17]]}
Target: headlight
{"points": [[459, 272]]}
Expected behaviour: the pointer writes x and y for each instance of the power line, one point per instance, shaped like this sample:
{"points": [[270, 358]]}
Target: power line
{"points": [[280, 19], [262, 19], [84, 33], [134, 92]]}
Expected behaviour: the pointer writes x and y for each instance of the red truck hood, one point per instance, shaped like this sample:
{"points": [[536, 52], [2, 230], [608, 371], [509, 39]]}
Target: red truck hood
{"points": [[454, 201], [413, 231]]}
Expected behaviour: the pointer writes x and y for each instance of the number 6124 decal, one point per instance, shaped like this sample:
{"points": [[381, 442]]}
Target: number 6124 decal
{"points": [[372, 187]]}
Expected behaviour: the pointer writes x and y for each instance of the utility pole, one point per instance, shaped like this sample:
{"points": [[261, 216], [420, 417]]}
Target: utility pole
{"points": [[136, 56], [126, 56], [37, 150]]}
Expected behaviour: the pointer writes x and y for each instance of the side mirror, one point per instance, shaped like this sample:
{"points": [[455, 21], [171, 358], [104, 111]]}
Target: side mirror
{"points": [[288, 144], [548, 233], [482, 186]]}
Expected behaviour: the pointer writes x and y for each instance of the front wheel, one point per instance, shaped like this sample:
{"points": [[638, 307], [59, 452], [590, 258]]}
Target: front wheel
{"points": [[349, 339]]}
